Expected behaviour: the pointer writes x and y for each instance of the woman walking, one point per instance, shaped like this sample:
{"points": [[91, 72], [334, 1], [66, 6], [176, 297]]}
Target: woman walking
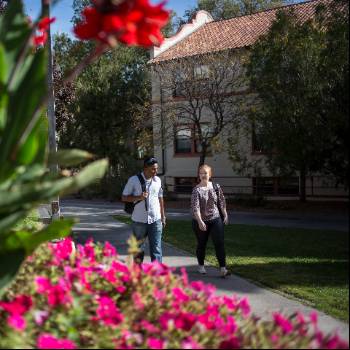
{"points": [[208, 207]]}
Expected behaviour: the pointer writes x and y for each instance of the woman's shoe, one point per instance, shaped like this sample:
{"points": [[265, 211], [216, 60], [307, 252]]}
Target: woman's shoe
{"points": [[224, 272], [201, 269]]}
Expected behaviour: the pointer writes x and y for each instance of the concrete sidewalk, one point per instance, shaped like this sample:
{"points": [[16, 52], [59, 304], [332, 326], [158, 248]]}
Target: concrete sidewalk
{"points": [[338, 222], [96, 222]]}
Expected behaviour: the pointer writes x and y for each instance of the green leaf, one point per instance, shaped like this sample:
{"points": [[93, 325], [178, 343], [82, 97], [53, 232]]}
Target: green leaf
{"points": [[57, 229], [21, 110], [3, 67], [88, 175], [3, 109], [69, 157], [30, 241], [8, 221], [23, 195], [14, 32], [35, 145]]}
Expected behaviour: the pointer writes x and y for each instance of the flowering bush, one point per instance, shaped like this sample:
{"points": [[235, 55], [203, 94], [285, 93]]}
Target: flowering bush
{"points": [[88, 297]]}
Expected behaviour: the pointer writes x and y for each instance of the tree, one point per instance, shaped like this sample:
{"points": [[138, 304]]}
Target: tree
{"points": [[334, 102], [200, 100], [225, 9], [103, 110], [290, 68]]}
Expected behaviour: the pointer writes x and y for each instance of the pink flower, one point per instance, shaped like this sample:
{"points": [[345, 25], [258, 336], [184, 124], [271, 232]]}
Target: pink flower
{"points": [[180, 295], [159, 294], [88, 251], [189, 343], [230, 303], [156, 269], [154, 343], [122, 269], [314, 318], [232, 343], [107, 312], [40, 317], [59, 294], [137, 300], [149, 327], [109, 250], [120, 289], [244, 306], [164, 319], [48, 341], [282, 322], [18, 306], [61, 250], [17, 322], [199, 286], [300, 318], [274, 338], [230, 326], [184, 276], [56, 294], [42, 284], [336, 343], [185, 321]]}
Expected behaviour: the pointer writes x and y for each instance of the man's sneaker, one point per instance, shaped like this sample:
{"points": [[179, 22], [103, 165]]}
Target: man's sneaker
{"points": [[201, 269], [224, 272]]}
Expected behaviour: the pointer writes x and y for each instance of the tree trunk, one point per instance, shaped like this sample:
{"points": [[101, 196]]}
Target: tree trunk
{"points": [[202, 156], [302, 192]]}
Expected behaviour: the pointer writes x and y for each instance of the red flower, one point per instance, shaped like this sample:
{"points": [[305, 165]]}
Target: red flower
{"points": [[133, 22], [40, 40], [43, 26], [45, 22]]}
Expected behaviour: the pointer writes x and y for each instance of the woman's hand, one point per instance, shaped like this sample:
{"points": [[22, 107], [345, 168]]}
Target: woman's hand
{"points": [[226, 219], [202, 225]]}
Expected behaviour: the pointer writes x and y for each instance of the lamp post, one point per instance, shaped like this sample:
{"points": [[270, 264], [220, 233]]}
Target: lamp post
{"points": [[55, 207]]}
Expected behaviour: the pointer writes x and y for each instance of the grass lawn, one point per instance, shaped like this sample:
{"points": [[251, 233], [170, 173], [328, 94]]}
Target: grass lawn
{"points": [[311, 265]]}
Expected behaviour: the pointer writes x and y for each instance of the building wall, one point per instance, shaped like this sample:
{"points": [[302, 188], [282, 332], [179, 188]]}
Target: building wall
{"points": [[173, 167]]}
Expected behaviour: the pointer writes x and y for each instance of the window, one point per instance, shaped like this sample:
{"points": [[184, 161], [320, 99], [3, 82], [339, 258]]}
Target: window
{"points": [[183, 140], [187, 139], [201, 72], [179, 84]]}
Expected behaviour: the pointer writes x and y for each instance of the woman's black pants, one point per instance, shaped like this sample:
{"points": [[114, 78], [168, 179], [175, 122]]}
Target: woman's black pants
{"points": [[215, 229]]}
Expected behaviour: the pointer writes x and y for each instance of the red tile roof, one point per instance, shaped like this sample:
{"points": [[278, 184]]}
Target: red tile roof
{"points": [[233, 33]]}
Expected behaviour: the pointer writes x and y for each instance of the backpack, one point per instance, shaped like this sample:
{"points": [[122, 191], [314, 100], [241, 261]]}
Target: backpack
{"points": [[130, 206], [216, 188]]}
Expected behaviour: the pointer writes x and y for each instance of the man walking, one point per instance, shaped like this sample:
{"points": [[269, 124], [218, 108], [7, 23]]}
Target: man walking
{"points": [[148, 216]]}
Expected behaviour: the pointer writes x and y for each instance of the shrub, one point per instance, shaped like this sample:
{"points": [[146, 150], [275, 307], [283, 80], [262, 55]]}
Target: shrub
{"points": [[88, 297]]}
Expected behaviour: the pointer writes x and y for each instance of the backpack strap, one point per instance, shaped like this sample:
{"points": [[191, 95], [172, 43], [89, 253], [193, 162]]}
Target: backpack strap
{"points": [[216, 187], [143, 187]]}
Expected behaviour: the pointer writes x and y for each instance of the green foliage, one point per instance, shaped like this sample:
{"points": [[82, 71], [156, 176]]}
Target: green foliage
{"points": [[24, 178], [107, 109], [303, 106]]}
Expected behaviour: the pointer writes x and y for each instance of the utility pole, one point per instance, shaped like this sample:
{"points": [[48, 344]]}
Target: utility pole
{"points": [[55, 206]]}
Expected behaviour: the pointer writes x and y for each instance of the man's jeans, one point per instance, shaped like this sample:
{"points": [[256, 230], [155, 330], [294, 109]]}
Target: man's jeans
{"points": [[154, 232]]}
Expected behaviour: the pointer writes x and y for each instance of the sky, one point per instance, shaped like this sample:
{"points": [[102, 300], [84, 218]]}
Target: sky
{"points": [[63, 11]]}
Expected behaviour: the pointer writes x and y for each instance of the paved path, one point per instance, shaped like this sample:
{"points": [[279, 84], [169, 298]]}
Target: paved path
{"points": [[96, 222], [338, 222]]}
